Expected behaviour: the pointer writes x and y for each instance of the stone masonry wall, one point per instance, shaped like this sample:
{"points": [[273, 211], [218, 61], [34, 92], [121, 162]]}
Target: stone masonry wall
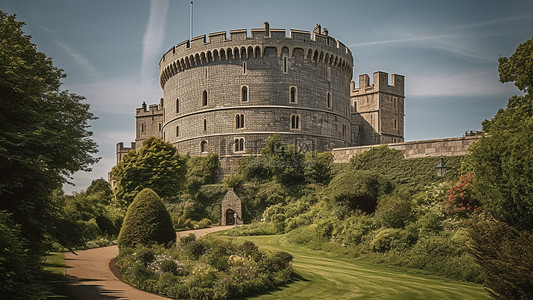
{"points": [[416, 149]]}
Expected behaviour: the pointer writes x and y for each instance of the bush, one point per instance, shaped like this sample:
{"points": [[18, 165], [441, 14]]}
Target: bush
{"points": [[147, 222], [359, 190], [394, 211], [384, 239]]}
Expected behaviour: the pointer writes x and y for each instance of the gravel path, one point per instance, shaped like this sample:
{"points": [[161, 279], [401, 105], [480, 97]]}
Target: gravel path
{"points": [[90, 277]]}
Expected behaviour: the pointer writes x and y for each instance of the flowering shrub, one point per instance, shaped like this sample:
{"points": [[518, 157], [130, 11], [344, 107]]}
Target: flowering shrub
{"points": [[460, 200], [205, 269]]}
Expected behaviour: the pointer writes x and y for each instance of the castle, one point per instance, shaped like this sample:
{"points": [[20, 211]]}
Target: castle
{"points": [[228, 95]]}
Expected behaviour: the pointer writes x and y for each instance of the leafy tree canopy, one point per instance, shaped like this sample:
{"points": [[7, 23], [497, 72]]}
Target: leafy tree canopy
{"points": [[157, 165], [503, 160], [44, 137], [519, 67]]}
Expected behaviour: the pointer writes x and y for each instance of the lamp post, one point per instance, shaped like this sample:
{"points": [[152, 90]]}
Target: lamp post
{"points": [[441, 168]]}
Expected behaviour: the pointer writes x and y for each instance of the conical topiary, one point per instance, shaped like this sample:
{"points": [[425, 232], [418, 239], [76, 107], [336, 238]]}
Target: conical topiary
{"points": [[147, 222]]}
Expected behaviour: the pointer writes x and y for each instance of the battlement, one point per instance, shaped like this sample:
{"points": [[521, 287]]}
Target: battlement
{"points": [[152, 109], [317, 46], [380, 84]]}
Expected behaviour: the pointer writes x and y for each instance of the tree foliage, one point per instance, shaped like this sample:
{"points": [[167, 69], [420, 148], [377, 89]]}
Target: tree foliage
{"points": [[147, 222], [44, 137], [201, 170], [506, 256], [359, 190], [157, 165], [503, 160], [518, 68]]}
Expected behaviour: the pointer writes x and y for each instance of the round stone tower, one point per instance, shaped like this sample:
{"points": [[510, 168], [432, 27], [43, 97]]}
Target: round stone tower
{"points": [[227, 96]]}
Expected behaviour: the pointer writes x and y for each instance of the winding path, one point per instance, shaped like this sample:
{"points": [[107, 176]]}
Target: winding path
{"points": [[90, 277]]}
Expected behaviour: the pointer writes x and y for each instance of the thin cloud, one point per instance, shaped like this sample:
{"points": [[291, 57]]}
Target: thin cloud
{"points": [[402, 40], [501, 20], [153, 39], [81, 60]]}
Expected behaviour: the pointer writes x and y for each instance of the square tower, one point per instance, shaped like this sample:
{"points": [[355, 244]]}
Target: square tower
{"points": [[378, 109]]}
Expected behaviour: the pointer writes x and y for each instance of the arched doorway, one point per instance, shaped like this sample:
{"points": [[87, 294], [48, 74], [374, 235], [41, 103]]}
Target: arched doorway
{"points": [[230, 217]]}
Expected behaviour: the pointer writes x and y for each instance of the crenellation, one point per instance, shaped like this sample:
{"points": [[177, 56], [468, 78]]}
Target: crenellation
{"points": [[278, 33], [300, 35], [238, 35], [198, 41]]}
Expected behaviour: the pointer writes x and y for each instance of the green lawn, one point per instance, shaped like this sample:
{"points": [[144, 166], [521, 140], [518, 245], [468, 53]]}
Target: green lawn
{"points": [[327, 277], [54, 281]]}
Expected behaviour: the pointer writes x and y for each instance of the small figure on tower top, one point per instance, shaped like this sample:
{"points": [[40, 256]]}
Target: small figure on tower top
{"points": [[317, 29]]}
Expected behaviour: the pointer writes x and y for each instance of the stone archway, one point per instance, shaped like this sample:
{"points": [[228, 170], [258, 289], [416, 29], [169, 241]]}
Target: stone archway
{"points": [[231, 209], [230, 217]]}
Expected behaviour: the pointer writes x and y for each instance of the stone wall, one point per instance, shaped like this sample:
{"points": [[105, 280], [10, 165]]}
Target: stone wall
{"points": [[231, 202], [415, 149], [268, 64]]}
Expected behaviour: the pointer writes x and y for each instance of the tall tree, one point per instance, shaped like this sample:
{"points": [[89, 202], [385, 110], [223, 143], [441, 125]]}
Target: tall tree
{"points": [[503, 160], [157, 165], [45, 135]]}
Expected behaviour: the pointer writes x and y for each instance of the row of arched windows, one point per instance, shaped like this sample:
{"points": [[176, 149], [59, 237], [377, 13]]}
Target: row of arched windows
{"points": [[293, 97]]}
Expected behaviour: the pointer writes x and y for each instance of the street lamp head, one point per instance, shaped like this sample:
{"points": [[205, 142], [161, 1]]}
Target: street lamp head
{"points": [[441, 168]]}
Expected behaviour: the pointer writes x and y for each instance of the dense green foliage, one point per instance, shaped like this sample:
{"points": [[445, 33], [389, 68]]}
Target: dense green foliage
{"points": [[147, 222], [201, 170], [502, 162], [156, 165], [44, 137], [359, 190], [506, 255], [205, 269], [412, 174]]}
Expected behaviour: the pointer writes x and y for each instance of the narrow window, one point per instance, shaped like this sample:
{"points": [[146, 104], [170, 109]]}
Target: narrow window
{"points": [[344, 130], [142, 127], [205, 124], [285, 69], [295, 122], [329, 103], [244, 93], [177, 105], [177, 131], [395, 102], [293, 94], [159, 126], [395, 124], [244, 68], [355, 106], [239, 145], [204, 98], [329, 74], [203, 146], [205, 73], [239, 121]]}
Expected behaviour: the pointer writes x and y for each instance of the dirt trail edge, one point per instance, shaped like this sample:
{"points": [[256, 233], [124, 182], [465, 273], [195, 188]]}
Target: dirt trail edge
{"points": [[90, 277]]}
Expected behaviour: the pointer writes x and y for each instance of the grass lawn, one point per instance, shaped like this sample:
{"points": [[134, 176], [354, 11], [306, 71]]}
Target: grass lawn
{"points": [[54, 280], [323, 276]]}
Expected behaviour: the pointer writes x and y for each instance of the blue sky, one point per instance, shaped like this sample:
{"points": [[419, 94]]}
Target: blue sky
{"points": [[448, 51]]}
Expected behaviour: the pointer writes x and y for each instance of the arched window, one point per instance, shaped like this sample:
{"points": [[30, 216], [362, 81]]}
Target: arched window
{"points": [[295, 122], [177, 105], [293, 94], [204, 98], [239, 145], [177, 131], [203, 146], [244, 93], [355, 106], [239, 121], [205, 124], [329, 102]]}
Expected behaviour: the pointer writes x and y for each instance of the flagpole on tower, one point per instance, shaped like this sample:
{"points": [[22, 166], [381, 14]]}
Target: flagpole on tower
{"points": [[190, 27]]}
